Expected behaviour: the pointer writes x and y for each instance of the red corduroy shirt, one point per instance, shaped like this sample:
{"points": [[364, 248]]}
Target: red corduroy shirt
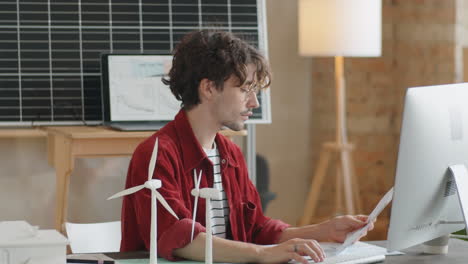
{"points": [[179, 154]]}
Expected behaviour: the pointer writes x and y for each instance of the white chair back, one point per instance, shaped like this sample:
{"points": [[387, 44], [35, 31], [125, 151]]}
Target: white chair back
{"points": [[94, 237]]}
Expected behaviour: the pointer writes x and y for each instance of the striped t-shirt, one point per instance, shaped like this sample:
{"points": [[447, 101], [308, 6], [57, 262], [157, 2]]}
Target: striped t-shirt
{"points": [[219, 208]]}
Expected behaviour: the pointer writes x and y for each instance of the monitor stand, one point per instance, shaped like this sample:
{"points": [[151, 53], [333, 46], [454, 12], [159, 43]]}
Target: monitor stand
{"points": [[460, 175], [436, 246]]}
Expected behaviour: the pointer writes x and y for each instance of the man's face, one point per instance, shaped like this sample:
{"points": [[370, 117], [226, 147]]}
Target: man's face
{"points": [[233, 105]]}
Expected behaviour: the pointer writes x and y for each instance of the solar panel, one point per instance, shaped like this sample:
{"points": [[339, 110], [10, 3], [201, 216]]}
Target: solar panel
{"points": [[50, 49]]}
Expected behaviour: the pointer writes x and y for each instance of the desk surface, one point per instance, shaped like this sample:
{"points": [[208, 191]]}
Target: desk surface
{"points": [[458, 253]]}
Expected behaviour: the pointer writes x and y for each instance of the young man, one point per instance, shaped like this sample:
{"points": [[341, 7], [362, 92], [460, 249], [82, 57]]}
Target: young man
{"points": [[217, 77]]}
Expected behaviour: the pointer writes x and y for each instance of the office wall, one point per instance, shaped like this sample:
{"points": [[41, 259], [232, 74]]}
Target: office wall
{"points": [[285, 142]]}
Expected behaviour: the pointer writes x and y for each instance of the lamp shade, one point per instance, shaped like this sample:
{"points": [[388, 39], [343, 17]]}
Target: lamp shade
{"points": [[340, 28]]}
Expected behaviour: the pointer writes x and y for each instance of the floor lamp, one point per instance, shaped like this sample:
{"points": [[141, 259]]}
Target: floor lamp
{"points": [[338, 28]]}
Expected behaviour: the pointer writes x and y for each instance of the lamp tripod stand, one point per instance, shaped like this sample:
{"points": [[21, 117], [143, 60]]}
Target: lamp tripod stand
{"points": [[345, 177]]}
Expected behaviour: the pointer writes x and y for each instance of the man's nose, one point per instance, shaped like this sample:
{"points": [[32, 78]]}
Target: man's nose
{"points": [[253, 101]]}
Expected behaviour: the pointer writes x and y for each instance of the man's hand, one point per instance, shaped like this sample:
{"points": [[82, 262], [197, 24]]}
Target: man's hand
{"points": [[340, 226], [333, 230], [234, 251], [294, 249]]}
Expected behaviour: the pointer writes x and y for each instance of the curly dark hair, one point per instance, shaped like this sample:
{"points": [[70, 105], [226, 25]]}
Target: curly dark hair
{"points": [[216, 56]]}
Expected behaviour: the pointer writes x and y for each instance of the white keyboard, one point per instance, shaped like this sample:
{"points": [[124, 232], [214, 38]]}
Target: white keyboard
{"points": [[357, 253]]}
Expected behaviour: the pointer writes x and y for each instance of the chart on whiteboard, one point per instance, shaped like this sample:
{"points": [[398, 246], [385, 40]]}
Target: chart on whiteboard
{"points": [[136, 89]]}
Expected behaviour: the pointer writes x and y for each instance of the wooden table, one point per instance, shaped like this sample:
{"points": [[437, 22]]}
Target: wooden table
{"points": [[66, 143], [22, 133]]}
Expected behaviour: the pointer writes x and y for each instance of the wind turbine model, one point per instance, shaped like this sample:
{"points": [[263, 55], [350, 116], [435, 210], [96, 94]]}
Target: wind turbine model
{"points": [[208, 194], [151, 184]]}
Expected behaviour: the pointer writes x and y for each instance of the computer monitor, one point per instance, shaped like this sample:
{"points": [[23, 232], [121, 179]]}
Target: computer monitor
{"points": [[434, 136], [133, 90]]}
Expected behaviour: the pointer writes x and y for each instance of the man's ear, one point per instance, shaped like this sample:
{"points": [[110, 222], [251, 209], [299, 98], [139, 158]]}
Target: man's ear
{"points": [[206, 89]]}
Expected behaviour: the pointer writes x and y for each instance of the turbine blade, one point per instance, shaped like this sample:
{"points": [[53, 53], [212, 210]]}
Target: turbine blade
{"points": [[195, 178], [127, 191], [194, 216], [152, 163], [199, 180], [165, 204]]}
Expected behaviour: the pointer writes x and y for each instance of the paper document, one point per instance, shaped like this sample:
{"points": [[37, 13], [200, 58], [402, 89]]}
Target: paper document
{"points": [[354, 236]]}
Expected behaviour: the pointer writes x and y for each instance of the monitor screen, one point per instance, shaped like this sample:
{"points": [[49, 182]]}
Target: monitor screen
{"points": [[434, 136], [133, 88]]}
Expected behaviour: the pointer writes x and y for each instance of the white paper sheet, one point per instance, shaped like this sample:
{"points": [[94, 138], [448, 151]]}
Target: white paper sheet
{"points": [[354, 236]]}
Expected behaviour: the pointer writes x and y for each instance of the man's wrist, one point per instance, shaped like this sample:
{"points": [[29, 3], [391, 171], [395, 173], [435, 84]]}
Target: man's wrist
{"points": [[287, 234], [256, 253], [319, 232], [325, 227]]}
